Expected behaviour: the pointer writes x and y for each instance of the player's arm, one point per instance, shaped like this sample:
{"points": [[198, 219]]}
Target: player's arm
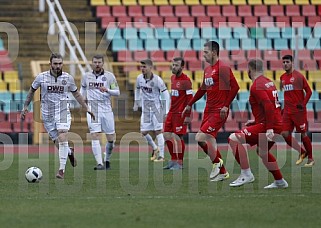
{"points": [[165, 96], [268, 106], [308, 91], [188, 98], [28, 100], [113, 89], [137, 96]]}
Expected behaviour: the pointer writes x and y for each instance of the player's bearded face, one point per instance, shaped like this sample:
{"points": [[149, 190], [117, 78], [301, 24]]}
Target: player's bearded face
{"points": [[97, 65], [56, 66]]}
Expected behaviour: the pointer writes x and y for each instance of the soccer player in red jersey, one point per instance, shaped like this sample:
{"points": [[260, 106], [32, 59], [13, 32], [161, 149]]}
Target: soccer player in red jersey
{"points": [[220, 86], [297, 93], [266, 110], [175, 129]]}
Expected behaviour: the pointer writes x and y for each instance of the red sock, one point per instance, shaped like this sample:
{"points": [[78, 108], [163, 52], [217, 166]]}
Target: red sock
{"points": [[181, 152], [292, 142], [217, 160], [170, 145], [271, 164], [308, 146], [239, 154]]}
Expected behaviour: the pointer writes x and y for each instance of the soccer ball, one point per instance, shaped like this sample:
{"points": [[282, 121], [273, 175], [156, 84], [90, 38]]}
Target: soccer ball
{"points": [[33, 174]]}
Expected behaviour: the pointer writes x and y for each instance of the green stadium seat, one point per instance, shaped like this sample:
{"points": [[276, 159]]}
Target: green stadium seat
{"points": [[264, 44], [114, 33], [257, 33], [296, 42], [305, 32], [287, 32]]}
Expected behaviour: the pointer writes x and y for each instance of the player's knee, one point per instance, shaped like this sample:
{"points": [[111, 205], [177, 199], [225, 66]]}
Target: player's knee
{"points": [[200, 137], [95, 136], [285, 134], [167, 135]]}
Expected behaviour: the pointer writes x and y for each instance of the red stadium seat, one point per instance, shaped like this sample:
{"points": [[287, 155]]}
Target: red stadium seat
{"points": [[276, 10], [270, 55], [140, 55], [151, 11], [260, 10], [195, 65], [190, 55], [319, 10], [219, 22], [119, 11], [238, 55], [254, 54], [317, 54], [241, 116], [187, 22], [124, 56], [124, 22], [292, 10], [266, 22], [17, 127], [231, 126], [213, 11], [166, 11], [309, 10], [158, 56], [234, 21], [108, 22], [198, 11], [182, 11], [135, 11], [309, 65], [140, 22], [157, 22], [228, 10], [204, 21], [310, 115], [172, 54], [251, 22], [312, 20], [286, 52], [276, 65], [103, 11], [304, 55], [6, 127], [171, 22], [245, 11], [282, 21], [2, 117], [298, 21]]}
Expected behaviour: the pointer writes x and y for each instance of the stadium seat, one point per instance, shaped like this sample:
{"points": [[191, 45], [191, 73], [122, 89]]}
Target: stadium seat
{"points": [[158, 56], [6, 127], [198, 44], [317, 54], [108, 22], [176, 2], [239, 2], [129, 2], [270, 55], [304, 54], [231, 126], [308, 65], [305, 32], [240, 32], [260, 10], [238, 55], [232, 44], [171, 22], [167, 44], [124, 56], [187, 22], [204, 21], [198, 11], [195, 65], [276, 10], [140, 55], [135, 11], [119, 45], [161, 2], [219, 22], [103, 11], [292, 10], [275, 65], [229, 11], [192, 33], [146, 33], [251, 21], [208, 33], [192, 2], [114, 2], [270, 2], [287, 32], [161, 33], [124, 22], [223, 2], [224, 33], [286, 52], [298, 21], [151, 45], [21, 127], [156, 22], [282, 21], [176, 33], [182, 11], [184, 44], [97, 2], [242, 116], [272, 33], [190, 55], [130, 33], [145, 2], [207, 2], [151, 11], [266, 22], [244, 11], [281, 44], [254, 2], [257, 33], [119, 11], [213, 11], [295, 42], [313, 21], [234, 21], [135, 45], [166, 11], [309, 10], [248, 44]]}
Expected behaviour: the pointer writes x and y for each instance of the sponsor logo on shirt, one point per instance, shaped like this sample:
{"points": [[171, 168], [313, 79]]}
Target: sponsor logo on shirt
{"points": [[292, 79], [95, 85], [210, 129], [64, 82], [288, 87], [269, 84], [104, 79], [178, 129], [147, 89], [209, 81], [55, 89]]}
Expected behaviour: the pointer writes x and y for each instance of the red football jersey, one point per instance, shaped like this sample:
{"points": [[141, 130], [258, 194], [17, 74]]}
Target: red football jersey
{"points": [[265, 103], [296, 91], [220, 85], [181, 91]]}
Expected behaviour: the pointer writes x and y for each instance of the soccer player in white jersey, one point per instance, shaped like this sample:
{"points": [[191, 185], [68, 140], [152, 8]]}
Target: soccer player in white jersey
{"points": [[99, 86], [149, 89], [55, 86]]}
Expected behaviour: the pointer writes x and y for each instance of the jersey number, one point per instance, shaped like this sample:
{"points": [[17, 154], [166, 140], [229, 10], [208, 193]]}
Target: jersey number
{"points": [[276, 99]]}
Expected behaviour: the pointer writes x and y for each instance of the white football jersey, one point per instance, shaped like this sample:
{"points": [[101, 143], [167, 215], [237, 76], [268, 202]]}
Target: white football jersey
{"points": [[54, 92], [150, 91], [99, 101]]}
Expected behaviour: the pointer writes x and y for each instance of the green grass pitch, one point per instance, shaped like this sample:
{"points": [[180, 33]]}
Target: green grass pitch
{"points": [[139, 193]]}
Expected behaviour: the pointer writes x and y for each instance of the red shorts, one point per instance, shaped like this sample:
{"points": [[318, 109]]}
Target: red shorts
{"points": [[297, 120], [175, 123], [212, 123], [253, 132]]}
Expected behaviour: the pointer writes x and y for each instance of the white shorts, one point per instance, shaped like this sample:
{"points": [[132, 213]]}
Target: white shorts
{"points": [[104, 122], [151, 121], [52, 124]]}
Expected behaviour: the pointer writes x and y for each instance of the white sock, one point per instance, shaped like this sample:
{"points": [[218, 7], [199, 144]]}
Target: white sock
{"points": [[109, 150], [96, 148], [150, 141], [63, 153], [246, 172], [69, 150], [161, 144]]}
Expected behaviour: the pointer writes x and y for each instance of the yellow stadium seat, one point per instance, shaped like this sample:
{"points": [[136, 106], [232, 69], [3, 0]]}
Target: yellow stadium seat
{"points": [[315, 2], [97, 2], [129, 2], [278, 74], [208, 2], [3, 86], [195, 86], [145, 2], [133, 76], [286, 2], [269, 74], [114, 2], [243, 86], [14, 86], [198, 76], [237, 75], [255, 2], [223, 2], [160, 2], [188, 73], [239, 2], [176, 2], [277, 84], [302, 2], [192, 2], [314, 76], [10, 76], [270, 2], [318, 86]]}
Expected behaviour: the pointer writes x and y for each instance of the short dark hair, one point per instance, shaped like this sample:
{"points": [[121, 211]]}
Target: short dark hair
{"points": [[55, 56], [98, 56], [147, 62], [213, 46], [256, 64], [176, 59], [288, 57]]}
